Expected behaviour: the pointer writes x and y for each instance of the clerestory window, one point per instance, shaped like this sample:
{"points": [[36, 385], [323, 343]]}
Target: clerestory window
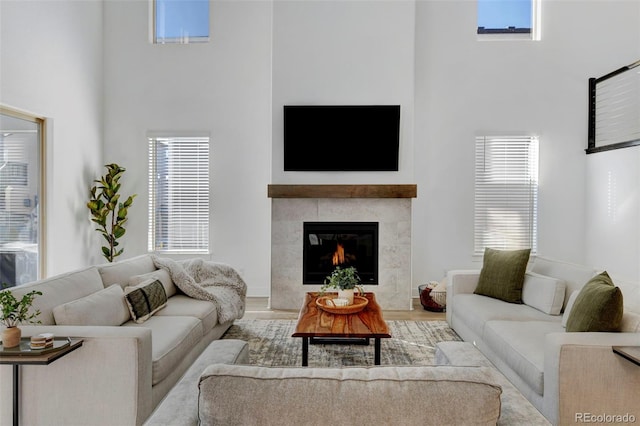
{"points": [[180, 21], [511, 19]]}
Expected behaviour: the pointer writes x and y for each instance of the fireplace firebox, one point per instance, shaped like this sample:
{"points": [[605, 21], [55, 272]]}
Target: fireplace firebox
{"points": [[330, 244]]}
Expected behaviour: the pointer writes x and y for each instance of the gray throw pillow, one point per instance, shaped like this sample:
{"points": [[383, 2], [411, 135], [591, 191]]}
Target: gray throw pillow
{"points": [[598, 306], [502, 274]]}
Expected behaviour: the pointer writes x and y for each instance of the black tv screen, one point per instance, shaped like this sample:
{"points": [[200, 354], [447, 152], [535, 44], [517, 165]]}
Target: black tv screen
{"points": [[341, 137]]}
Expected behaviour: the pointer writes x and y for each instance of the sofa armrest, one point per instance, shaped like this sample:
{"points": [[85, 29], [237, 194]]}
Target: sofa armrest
{"points": [[460, 281], [115, 360], [582, 376]]}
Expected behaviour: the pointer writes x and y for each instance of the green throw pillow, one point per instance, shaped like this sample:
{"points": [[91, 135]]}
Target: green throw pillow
{"points": [[502, 274], [598, 306]]}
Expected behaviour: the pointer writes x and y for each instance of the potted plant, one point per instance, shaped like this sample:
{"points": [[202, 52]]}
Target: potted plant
{"points": [[346, 281], [107, 211], [14, 312]]}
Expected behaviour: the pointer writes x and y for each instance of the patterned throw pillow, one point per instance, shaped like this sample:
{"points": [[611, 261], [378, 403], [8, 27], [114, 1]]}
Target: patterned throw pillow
{"points": [[145, 299]]}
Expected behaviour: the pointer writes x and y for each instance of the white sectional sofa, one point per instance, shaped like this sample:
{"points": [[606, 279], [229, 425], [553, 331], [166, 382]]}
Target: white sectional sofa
{"points": [[124, 368], [563, 374]]}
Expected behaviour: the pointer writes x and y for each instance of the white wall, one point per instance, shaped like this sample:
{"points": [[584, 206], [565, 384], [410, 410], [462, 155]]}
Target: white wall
{"points": [[222, 87], [51, 66], [423, 55], [613, 212], [343, 53], [466, 87]]}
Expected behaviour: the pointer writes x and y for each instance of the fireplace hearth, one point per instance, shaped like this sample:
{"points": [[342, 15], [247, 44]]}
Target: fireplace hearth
{"points": [[344, 244]]}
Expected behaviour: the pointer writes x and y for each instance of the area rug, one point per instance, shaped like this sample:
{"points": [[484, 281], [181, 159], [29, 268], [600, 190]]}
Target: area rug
{"points": [[413, 343], [271, 344]]}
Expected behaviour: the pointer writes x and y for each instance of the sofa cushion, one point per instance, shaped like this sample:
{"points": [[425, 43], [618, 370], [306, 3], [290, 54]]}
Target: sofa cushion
{"points": [[575, 276], [104, 307], [182, 305], [60, 289], [172, 339], [544, 293], [520, 345], [120, 272], [145, 299], [161, 275], [630, 322], [598, 306], [475, 310], [567, 309], [502, 274]]}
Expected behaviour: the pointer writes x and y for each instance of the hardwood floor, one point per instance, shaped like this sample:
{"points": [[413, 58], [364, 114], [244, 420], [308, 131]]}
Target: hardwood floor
{"points": [[258, 308]]}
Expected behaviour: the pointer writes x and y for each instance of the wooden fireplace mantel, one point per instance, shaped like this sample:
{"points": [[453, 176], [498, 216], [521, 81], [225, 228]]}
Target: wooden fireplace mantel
{"points": [[343, 191]]}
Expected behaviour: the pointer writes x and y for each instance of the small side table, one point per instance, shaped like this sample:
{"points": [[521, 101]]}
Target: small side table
{"points": [[632, 353], [24, 355]]}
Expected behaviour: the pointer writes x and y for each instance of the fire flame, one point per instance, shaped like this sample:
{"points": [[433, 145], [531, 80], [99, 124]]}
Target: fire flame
{"points": [[338, 255]]}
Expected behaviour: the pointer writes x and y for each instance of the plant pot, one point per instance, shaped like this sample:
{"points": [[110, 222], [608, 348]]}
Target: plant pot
{"points": [[346, 294], [11, 337]]}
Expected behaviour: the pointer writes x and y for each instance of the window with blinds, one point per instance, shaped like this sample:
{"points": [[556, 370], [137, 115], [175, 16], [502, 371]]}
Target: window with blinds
{"points": [[506, 193], [179, 194]]}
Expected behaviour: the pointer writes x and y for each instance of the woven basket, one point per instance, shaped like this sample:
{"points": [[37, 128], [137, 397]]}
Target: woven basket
{"points": [[359, 303], [434, 301]]}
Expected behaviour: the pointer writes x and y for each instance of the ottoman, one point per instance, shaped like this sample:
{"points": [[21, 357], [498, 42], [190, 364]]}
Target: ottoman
{"points": [[180, 406]]}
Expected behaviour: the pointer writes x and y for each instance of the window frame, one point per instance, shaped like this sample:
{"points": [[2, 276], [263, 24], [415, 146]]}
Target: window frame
{"points": [[203, 219], [42, 124], [513, 188]]}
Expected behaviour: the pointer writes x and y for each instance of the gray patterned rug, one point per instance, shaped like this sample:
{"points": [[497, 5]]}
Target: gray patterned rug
{"points": [[413, 343], [271, 344]]}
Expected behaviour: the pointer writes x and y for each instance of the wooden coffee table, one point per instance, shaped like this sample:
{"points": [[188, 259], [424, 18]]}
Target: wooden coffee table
{"points": [[319, 326]]}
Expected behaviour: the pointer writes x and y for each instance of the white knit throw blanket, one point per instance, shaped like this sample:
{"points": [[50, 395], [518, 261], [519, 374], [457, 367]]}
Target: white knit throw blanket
{"points": [[206, 280]]}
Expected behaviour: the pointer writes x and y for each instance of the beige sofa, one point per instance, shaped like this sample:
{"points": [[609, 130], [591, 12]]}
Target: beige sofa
{"points": [[246, 395], [563, 374], [124, 368]]}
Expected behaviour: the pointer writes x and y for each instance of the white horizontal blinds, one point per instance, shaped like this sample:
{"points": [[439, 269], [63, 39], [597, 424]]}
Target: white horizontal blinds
{"points": [[618, 109], [179, 194], [506, 193]]}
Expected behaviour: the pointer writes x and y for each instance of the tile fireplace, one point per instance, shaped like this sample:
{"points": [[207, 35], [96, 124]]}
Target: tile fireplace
{"points": [[294, 205]]}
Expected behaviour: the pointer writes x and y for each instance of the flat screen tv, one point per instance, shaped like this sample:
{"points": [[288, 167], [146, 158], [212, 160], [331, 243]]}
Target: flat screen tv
{"points": [[341, 137]]}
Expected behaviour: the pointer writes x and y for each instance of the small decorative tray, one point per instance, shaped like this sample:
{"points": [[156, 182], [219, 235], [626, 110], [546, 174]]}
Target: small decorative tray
{"points": [[24, 349], [359, 303]]}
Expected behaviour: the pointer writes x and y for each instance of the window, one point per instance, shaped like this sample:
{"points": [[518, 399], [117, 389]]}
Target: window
{"points": [[517, 18], [21, 197], [180, 21], [179, 194], [506, 193]]}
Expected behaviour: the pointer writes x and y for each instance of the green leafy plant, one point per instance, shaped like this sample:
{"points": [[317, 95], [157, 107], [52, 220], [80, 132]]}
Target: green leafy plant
{"points": [[107, 211], [14, 311], [342, 279]]}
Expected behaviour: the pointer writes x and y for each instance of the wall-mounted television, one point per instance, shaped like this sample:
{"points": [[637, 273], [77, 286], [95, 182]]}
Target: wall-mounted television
{"points": [[341, 137]]}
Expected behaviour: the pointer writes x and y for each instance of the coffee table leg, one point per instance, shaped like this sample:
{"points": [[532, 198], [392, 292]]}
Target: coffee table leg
{"points": [[305, 351], [376, 352]]}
